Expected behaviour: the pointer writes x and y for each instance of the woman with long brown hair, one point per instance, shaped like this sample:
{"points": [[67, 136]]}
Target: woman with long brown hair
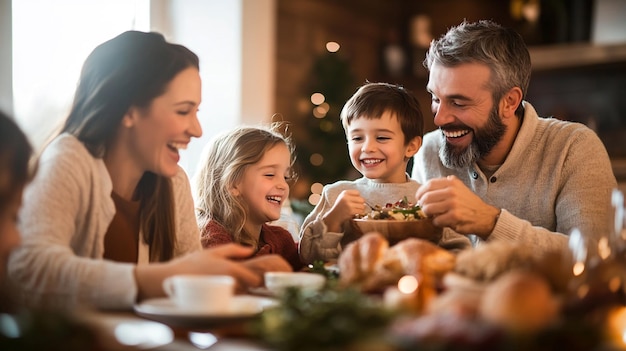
{"points": [[110, 196]]}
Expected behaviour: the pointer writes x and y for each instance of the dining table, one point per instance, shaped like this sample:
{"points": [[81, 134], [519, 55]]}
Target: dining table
{"points": [[585, 298], [129, 331]]}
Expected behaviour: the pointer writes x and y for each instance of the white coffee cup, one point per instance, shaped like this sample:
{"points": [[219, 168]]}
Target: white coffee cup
{"points": [[201, 293]]}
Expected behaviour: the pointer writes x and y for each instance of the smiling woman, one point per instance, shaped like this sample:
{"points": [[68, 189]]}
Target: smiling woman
{"points": [[111, 197]]}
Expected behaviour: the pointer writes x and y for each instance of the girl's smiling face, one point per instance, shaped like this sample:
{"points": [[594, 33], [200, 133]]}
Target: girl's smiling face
{"points": [[264, 186], [377, 148]]}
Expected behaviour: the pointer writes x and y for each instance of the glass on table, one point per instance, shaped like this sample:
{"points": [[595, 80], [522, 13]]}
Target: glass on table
{"points": [[599, 273], [619, 220]]}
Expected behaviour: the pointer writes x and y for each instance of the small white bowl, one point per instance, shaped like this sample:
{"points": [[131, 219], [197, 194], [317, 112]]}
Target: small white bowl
{"points": [[277, 282]]}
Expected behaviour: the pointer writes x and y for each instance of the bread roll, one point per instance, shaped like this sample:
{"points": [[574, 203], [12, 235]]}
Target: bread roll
{"points": [[488, 261], [349, 263], [456, 302], [417, 256], [455, 281], [520, 301], [372, 248], [361, 258], [373, 265]]}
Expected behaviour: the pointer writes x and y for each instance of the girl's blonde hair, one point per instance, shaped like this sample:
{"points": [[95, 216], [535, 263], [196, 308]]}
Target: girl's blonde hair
{"points": [[223, 165]]}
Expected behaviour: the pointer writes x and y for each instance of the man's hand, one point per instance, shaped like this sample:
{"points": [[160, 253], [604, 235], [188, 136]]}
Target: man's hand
{"points": [[452, 204]]}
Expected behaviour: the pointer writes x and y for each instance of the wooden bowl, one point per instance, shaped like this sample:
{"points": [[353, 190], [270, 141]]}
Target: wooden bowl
{"points": [[395, 230]]}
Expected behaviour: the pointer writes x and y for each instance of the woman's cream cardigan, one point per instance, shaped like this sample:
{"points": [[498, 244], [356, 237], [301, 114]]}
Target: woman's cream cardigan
{"points": [[66, 212]]}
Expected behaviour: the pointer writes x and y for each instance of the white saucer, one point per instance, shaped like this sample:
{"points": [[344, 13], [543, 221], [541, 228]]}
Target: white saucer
{"points": [[262, 291], [164, 310]]}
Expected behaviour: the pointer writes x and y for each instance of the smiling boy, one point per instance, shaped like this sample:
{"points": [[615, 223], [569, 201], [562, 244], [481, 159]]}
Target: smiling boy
{"points": [[384, 127]]}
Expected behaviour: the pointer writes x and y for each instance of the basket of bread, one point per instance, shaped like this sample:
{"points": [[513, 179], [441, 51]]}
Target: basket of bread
{"points": [[496, 296], [487, 298]]}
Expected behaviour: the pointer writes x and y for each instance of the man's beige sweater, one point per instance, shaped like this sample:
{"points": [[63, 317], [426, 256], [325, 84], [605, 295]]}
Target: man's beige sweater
{"points": [[557, 177]]}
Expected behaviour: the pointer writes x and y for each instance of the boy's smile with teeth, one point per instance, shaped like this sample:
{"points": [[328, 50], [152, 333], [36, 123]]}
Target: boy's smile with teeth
{"points": [[371, 161]]}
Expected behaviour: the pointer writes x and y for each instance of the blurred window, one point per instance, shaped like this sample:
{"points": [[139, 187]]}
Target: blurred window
{"points": [[51, 40]]}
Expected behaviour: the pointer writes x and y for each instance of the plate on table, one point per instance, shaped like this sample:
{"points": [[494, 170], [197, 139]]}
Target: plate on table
{"points": [[165, 310], [261, 291]]}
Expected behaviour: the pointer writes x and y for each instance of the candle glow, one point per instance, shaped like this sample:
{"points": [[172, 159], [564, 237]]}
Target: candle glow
{"points": [[604, 249], [408, 284], [579, 268], [617, 326]]}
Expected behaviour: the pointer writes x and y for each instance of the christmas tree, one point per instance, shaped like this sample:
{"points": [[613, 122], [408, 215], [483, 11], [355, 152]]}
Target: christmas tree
{"points": [[322, 155]]}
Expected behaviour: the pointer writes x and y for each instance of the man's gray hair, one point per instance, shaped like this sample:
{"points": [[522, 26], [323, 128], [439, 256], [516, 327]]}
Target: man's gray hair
{"points": [[501, 49]]}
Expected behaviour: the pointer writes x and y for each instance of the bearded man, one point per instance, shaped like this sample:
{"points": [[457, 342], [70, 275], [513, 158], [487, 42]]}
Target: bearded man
{"points": [[495, 170]]}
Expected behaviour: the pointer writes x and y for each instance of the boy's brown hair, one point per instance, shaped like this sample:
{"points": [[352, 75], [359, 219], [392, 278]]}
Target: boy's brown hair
{"points": [[371, 100]]}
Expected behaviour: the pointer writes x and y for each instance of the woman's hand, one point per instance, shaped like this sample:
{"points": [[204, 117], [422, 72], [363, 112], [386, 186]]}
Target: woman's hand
{"points": [[267, 263], [221, 260]]}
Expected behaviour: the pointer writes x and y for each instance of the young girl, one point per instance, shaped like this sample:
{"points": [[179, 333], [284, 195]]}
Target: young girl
{"points": [[109, 197], [243, 181]]}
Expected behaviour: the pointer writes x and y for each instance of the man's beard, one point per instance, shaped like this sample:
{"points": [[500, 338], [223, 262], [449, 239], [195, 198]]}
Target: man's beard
{"points": [[483, 141]]}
